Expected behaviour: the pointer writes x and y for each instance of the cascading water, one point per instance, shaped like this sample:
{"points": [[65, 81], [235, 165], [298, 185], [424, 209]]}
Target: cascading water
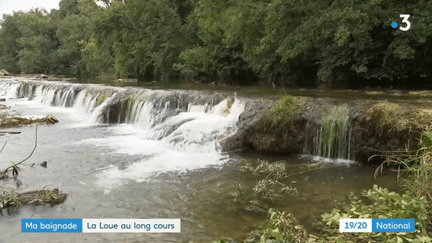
{"points": [[156, 130], [332, 140]]}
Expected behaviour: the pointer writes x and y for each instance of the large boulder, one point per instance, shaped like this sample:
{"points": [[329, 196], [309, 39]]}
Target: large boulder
{"points": [[257, 130]]}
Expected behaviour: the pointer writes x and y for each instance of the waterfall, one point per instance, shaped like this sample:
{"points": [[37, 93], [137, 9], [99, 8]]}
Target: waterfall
{"points": [[154, 131], [189, 120], [332, 138]]}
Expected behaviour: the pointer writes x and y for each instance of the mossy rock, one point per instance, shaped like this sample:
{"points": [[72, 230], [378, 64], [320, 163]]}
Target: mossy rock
{"points": [[419, 119], [285, 110], [281, 113], [387, 117], [382, 112], [101, 98]]}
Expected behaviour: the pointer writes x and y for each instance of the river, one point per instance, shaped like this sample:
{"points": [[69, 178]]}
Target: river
{"points": [[156, 156]]}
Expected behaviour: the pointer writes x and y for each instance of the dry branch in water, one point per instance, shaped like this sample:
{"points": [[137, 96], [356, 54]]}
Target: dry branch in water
{"points": [[14, 167]]}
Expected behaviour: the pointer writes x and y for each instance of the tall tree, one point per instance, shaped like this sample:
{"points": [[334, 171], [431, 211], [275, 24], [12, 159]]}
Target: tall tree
{"points": [[10, 34], [74, 31], [39, 42]]}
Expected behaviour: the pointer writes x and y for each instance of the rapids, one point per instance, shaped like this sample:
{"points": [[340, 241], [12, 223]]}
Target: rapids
{"points": [[126, 152]]}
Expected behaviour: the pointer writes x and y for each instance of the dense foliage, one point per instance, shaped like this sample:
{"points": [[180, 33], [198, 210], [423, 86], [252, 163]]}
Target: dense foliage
{"points": [[231, 41]]}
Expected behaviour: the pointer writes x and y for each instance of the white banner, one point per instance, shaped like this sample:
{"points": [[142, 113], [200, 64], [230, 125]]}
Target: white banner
{"points": [[131, 225]]}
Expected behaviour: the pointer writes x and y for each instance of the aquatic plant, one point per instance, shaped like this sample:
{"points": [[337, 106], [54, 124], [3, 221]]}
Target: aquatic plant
{"points": [[333, 137], [268, 188], [23, 89], [126, 107], [9, 200], [100, 99]]}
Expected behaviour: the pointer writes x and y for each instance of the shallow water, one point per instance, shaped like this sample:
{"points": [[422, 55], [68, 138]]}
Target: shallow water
{"points": [[131, 171]]}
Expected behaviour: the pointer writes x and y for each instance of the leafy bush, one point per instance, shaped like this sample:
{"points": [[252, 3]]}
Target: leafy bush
{"points": [[280, 227], [384, 204]]}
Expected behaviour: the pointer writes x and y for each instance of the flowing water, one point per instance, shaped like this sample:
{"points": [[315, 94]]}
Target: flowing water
{"points": [[123, 152]]}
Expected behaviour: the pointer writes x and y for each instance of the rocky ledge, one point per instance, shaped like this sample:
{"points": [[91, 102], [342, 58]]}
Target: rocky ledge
{"points": [[377, 128]]}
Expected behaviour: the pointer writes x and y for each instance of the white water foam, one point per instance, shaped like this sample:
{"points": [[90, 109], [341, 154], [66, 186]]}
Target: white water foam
{"points": [[328, 160], [192, 145]]}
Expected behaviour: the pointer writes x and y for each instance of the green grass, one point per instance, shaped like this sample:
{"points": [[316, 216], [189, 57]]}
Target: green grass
{"points": [[285, 110], [417, 172]]}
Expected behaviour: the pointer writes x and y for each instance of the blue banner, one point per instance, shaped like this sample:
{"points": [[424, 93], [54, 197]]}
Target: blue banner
{"points": [[393, 225], [51, 225]]}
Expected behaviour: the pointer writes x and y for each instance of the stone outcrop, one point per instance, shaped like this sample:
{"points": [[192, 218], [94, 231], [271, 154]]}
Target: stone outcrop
{"points": [[257, 131], [377, 128], [389, 128]]}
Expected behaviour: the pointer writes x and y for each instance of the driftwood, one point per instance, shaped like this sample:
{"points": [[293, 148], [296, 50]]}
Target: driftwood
{"points": [[14, 121], [14, 167], [42, 197], [15, 200]]}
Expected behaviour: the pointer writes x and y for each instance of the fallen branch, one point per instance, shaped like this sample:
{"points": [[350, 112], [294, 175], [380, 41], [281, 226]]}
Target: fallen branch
{"points": [[42, 197], [396, 151], [14, 166]]}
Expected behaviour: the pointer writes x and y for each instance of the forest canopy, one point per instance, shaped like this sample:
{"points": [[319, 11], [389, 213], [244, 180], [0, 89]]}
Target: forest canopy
{"points": [[239, 42]]}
